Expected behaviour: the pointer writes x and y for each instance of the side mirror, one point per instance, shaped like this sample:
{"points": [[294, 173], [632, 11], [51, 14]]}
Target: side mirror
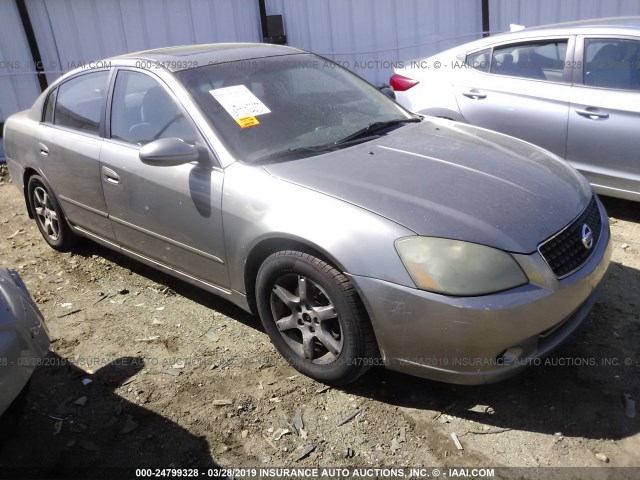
{"points": [[388, 91], [168, 152]]}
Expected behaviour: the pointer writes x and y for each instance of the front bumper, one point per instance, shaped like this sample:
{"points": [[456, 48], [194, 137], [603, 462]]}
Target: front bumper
{"points": [[24, 338], [477, 340]]}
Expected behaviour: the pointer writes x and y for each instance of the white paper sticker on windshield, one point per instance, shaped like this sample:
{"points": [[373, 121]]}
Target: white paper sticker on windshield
{"points": [[239, 102]]}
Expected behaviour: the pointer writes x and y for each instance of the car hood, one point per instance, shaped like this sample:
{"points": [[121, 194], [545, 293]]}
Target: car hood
{"points": [[451, 180]]}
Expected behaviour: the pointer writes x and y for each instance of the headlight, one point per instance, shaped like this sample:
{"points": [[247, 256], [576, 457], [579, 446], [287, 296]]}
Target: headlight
{"points": [[453, 267]]}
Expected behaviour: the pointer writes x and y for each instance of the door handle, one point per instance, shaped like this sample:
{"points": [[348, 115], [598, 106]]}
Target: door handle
{"points": [[592, 113], [110, 176], [474, 94], [44, 150]]}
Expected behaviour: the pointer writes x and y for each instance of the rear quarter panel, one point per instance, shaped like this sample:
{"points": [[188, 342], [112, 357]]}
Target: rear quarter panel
{"points": [[20, 145], [435, 94]]}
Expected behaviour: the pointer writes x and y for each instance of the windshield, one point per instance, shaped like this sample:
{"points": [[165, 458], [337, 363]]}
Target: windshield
{"points": [[266, 106]]}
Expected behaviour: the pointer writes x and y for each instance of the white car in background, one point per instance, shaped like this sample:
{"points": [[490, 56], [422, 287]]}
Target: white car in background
{"points": [[572, 88]]}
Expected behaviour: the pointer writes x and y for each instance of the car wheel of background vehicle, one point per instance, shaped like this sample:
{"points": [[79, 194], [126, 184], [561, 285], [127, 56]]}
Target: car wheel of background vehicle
{"points": [[48, 215], [314, 317]]}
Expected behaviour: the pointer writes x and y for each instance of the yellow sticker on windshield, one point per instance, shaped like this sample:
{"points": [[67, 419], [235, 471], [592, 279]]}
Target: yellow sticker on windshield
{"points": [[241, 104], [246, 122]]}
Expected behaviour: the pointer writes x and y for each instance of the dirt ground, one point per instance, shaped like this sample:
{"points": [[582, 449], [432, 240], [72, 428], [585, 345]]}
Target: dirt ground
{"points": [[181, 378]]}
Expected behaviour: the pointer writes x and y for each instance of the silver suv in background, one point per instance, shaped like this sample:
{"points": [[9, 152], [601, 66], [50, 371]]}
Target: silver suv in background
{"points": [[572, 88]]}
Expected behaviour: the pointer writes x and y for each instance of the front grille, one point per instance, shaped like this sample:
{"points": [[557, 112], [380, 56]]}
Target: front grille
{"points": [[566, 252]]}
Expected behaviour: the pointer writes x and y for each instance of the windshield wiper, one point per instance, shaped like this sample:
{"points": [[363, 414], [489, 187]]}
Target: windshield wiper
{"points": [[375, 126], [360, 136], [294, 152], [311, 150]]}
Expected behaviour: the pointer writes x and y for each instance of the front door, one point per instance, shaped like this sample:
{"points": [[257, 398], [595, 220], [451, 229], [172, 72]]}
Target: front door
{"points": [[170, 215]]}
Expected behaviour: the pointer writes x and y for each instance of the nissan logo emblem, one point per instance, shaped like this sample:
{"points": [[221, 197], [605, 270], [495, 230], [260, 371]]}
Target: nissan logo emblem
{"points": [[587, 236]]}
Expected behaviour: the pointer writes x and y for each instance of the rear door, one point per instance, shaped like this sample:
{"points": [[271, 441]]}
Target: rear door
{"points": [[170, 215], [604, 118], [69, 147], [520, 89]]}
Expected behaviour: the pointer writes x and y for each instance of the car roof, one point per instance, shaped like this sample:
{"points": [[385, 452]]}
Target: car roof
{"points": [[617, 22], [599, 26], [193, 56]]}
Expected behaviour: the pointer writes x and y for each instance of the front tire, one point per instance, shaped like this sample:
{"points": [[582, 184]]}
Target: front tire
{"points": [[314, 317], [49, 216]]}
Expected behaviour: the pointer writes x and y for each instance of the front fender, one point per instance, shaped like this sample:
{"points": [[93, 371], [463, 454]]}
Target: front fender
{"points": [[257, 206]]}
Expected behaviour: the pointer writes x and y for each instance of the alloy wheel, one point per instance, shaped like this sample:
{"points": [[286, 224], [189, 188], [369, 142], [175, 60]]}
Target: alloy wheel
{"points": [[306, 318], [46, 214]]}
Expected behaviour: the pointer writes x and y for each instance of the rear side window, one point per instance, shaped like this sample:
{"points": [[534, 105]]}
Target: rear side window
{"points": [[479, 60], [612, 63], [51, 101], [544, 60], [80, 101]]}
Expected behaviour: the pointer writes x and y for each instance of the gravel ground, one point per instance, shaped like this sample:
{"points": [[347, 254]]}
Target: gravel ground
{"points": [[181, 378]]}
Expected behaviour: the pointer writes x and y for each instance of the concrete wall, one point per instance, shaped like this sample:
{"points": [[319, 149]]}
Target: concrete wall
{"points": [[18, 83], [541, 12], [369, 36]]}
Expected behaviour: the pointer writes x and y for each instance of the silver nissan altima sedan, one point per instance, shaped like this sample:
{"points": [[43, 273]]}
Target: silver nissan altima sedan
{"points": [[360, 233]]}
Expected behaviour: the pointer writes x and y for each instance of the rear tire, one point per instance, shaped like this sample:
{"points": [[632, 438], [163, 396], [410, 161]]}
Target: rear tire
{"points": [[314, 317], [49, 216]]}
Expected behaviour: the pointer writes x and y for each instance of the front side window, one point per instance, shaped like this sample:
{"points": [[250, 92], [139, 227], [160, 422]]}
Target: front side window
{"points": [[543, 60], [612, 63], [80, 101], [143, 111]]}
